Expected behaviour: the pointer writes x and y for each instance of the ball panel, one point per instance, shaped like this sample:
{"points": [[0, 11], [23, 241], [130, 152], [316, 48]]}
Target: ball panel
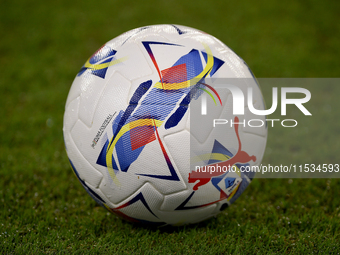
{"points": [[142, 205], [71, 114], [85, 170]]}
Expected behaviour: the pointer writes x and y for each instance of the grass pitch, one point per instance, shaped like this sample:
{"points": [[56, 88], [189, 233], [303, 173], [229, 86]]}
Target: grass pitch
{"points": [[44, 209]]}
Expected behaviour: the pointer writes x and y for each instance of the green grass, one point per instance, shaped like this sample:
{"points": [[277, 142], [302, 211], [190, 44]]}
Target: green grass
{"points": [[44, 209]]}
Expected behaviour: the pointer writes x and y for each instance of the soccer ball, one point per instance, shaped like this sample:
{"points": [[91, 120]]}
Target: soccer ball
{"points": [[139, 126]]}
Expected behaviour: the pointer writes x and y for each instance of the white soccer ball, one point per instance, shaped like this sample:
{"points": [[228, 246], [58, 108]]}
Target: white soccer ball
{"points": [[139, 118]]}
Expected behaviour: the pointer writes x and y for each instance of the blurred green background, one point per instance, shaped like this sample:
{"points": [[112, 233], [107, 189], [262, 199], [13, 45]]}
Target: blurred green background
{"points": [[44, 208]]}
